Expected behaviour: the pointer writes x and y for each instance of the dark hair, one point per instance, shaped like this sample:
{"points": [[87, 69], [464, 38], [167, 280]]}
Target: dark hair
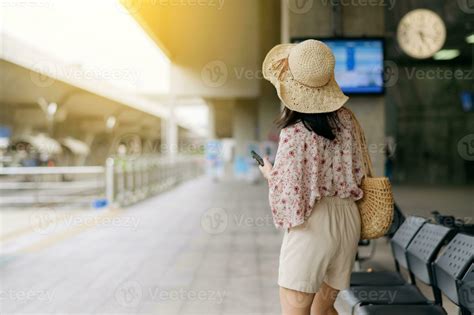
{"points": [[322, 124]]}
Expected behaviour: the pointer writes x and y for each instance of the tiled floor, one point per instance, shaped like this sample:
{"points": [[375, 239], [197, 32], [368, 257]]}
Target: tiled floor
{"points": [[201, 248]]}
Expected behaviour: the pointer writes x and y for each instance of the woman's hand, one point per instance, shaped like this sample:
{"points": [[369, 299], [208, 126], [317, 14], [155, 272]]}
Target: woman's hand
{"points": [[266, 169]]}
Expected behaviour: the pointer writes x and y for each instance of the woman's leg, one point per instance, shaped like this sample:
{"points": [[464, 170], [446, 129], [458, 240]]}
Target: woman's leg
{"points": [[323, 303], [295, 302]]}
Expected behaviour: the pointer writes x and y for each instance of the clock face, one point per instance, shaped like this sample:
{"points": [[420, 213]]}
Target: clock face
{"points": [[421, 33]]}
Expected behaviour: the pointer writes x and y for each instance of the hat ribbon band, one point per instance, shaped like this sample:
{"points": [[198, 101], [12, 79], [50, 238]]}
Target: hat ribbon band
{"points": [[283, 65]]}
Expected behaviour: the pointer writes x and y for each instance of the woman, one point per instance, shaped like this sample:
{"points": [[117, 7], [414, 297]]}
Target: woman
{"points": [[315, 181]]}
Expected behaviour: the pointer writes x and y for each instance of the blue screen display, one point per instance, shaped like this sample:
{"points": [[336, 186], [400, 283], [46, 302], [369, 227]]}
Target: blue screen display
{"points": [[359, 64], [467, 101]]}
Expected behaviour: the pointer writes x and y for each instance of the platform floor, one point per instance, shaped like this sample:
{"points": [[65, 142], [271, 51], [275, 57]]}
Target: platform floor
{"points": [[200, 248]]}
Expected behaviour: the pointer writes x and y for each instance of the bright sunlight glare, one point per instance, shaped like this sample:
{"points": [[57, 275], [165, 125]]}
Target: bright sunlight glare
{"points": [[98, 36]]}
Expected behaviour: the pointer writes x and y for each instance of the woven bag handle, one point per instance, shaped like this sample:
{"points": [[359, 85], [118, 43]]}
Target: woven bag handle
{"points": [[362, 143]]}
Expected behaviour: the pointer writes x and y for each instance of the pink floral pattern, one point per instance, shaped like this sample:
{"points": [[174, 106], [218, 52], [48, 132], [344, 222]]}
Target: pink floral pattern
{"points": [[309, 167]]}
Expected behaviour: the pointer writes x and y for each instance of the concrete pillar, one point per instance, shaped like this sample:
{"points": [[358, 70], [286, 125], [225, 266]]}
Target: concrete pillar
{"points": [[222, 117], [244, 124], [169, 131], [211, 127], [285, 22], [268, 111], [274, 29]]}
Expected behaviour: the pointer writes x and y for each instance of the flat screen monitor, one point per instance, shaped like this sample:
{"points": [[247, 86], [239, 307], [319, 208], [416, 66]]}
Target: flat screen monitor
{"points": [[467, 101], [359, 63]]}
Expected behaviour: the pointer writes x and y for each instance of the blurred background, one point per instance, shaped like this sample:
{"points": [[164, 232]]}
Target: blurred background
{"points": [[126, 182]]}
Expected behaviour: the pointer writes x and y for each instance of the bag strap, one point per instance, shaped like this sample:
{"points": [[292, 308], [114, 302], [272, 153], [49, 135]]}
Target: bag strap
{"points": [[362, 143]]}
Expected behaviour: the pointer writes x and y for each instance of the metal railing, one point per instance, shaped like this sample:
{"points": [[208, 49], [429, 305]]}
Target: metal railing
{"points": [[131, 180], [50, 185], [123, 181]]}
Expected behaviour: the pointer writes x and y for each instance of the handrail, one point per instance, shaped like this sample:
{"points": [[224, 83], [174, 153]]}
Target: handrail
{"points": [[122, 181], [45, 170]]}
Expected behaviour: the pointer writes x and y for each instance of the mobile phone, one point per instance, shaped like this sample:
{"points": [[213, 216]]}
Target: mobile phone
{"points": [[257, 158]]}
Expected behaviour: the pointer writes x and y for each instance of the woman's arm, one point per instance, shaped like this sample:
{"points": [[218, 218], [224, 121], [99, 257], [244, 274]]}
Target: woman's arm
{"points": [[266, 169], [285, 178]]}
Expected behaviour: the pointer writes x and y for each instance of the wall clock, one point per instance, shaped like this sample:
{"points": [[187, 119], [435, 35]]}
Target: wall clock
{"points": [[421, 33]]}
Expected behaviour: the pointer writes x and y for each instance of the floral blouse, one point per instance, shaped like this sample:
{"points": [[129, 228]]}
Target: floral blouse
{"points": [[309, 167]]}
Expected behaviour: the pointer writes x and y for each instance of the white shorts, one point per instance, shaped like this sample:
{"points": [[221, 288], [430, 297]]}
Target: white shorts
{"points": [[322, 249]]}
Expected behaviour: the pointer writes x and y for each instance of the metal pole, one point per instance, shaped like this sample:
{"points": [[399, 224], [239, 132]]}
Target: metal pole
{"points": [[109, 180]]}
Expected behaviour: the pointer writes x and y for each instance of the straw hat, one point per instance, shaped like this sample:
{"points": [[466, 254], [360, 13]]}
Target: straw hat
{"points": [[303, 75]]}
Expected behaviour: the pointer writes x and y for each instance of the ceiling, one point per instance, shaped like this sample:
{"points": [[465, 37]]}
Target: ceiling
{"points": [[204, 38], [72, 101]]}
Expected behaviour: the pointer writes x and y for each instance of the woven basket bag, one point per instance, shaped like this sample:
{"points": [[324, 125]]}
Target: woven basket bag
{"points": [[376, 207]]}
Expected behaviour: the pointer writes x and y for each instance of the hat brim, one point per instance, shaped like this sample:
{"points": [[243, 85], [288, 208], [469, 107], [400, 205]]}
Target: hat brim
{"points": [[299, 97]]}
